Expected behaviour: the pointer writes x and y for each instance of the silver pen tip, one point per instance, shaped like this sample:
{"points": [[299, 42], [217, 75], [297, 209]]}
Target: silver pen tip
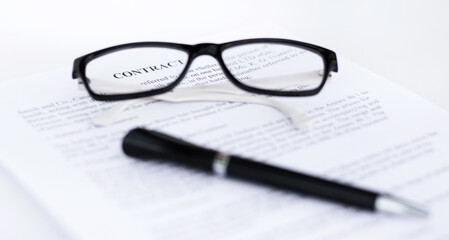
{"points": [[390, 204]]}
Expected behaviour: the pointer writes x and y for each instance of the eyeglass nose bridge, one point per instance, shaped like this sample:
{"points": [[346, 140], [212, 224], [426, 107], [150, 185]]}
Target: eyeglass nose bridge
{"points": [[205, 49]]}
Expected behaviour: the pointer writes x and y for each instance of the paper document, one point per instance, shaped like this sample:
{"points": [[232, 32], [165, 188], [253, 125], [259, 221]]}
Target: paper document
{"points": [[363, 130]]}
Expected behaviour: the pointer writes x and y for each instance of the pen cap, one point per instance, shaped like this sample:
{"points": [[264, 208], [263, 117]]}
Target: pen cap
{"points": [[148, 144]]}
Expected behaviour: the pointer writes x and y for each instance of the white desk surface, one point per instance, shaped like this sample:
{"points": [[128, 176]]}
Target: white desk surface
{"points": [[406, 42]]}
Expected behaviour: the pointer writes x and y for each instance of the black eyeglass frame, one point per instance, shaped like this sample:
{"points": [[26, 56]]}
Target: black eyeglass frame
{"points": [[215, 50]]}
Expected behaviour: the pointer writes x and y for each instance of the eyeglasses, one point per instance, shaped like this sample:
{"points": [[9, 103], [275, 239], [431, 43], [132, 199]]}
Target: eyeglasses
{"points": [[274, 67]]}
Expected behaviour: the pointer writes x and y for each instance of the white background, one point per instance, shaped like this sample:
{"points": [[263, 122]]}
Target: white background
{"points": [[406, 42]]}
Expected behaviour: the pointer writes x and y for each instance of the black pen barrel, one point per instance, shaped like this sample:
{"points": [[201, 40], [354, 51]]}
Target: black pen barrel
{"points": [[265, 174], [146, 144]]}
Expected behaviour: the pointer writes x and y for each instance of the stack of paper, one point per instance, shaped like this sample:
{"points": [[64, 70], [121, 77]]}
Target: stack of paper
{"points": [[364, 130]]}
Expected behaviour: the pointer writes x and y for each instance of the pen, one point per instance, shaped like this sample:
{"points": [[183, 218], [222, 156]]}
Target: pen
{"points": [[148, 144]]}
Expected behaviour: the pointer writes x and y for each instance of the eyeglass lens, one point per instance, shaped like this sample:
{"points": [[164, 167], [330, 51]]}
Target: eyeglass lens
{"points": [[274, 66]]}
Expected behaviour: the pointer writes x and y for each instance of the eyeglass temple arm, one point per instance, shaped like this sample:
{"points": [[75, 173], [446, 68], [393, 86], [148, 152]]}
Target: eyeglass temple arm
{"points": [[297, 118], [198, 93]]}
